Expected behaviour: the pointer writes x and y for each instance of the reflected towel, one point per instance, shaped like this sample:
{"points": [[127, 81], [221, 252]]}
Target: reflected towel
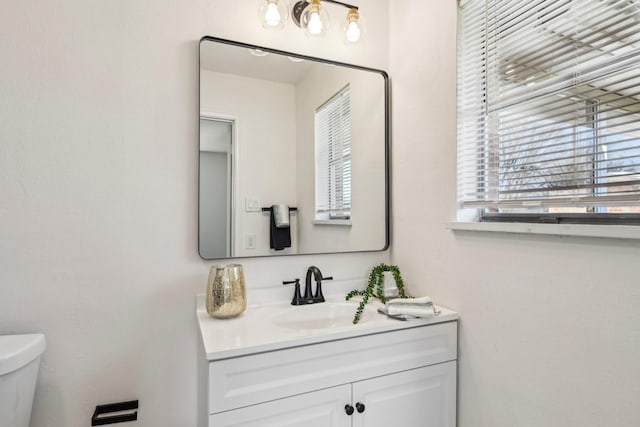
{"points": [[417, 307], [281, 215], [279, 238]]}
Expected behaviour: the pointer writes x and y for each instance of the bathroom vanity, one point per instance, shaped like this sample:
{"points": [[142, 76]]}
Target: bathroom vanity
{"points": [[279, 365]]}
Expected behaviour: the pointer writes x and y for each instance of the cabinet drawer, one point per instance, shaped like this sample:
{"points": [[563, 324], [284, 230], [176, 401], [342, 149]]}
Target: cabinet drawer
{"points": [[247, 380]]}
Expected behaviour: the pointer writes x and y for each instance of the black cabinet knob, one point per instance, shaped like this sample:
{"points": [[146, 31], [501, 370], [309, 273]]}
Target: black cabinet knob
{"points": [[348, 409], [360, 407]]}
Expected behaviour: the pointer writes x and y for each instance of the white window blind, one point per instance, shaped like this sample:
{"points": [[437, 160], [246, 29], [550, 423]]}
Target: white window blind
{"points": [[549, 105], [333, 157]]}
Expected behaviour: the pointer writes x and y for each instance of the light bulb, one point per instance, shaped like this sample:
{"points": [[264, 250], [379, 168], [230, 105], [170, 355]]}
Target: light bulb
{"points": [[258, 52], [352, 26], [272, 14], [353, 32], [314, 19], [272, 17], [315, 23]]}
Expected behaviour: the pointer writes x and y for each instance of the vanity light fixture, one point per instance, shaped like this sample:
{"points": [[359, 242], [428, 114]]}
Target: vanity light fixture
{"points": [[311, 16]]}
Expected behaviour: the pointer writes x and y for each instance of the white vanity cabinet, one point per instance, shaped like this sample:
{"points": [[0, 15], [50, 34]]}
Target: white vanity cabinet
{"points": [[404, 377]]}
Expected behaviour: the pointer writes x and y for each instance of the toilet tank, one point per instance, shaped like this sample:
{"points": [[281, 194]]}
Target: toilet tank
{"points": [[19, 361]]}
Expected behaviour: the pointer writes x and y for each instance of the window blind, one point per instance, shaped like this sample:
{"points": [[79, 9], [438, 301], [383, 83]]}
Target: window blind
{"points": [[333, 157], [549, 105]]}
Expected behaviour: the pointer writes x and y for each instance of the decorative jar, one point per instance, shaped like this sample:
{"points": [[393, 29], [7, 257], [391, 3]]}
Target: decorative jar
{"points": [[226, 291]]}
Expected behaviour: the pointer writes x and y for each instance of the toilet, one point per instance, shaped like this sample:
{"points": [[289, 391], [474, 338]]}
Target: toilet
{"points": [[19, 361]]}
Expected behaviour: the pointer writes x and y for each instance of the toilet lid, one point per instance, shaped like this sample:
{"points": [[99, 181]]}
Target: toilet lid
{"points": [[18, 350]]}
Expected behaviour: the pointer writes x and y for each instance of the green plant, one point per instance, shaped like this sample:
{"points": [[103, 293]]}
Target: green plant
{"points": [[375, 287]]}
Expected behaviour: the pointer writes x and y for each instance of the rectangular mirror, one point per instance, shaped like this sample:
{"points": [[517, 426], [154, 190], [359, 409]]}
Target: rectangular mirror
{"points": [[293, 154]]}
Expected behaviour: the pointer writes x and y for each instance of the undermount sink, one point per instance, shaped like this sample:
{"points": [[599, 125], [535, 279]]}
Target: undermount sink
{"points": [[321, 316]]}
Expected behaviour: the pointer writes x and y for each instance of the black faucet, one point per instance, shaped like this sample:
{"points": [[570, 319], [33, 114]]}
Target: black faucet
{"points": [[309, 297]]}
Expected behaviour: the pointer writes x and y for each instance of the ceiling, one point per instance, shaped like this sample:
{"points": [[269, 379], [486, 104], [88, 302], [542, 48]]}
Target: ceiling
{"points": [[230, 59]]}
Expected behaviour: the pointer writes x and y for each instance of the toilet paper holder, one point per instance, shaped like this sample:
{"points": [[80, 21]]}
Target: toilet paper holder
{"points": [[98, 420]]}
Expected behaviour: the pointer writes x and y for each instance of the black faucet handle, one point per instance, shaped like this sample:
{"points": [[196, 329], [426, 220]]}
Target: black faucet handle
{"points": [[297, 298], [318, 297]]}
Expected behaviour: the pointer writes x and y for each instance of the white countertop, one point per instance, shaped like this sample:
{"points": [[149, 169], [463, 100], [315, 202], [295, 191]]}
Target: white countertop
{"points": [[255, 330]]}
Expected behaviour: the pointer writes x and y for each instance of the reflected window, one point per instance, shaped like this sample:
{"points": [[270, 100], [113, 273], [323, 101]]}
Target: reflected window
{"points": [[333, 158]]}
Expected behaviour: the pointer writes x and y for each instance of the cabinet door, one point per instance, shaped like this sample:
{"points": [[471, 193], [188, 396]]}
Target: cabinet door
{"points": [[323, 408], [423, 397]]}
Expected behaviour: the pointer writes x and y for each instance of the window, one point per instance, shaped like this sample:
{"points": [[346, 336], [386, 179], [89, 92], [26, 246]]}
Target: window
{"points": [[333, 158], [549, 110]]}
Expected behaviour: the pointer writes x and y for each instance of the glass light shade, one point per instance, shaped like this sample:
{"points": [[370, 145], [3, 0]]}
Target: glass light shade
{"points": [[314, 19], [272, 13], [353, 27]]}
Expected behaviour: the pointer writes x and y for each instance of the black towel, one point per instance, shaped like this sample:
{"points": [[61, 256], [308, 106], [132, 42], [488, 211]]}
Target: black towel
{"points": [[279, 238]]}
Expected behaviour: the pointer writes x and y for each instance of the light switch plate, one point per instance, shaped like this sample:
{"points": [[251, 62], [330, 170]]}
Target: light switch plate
{"points": [[249, 241], [251, 204]]}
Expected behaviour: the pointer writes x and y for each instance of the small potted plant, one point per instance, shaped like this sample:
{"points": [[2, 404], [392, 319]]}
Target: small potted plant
{"points": [[375, 287]]}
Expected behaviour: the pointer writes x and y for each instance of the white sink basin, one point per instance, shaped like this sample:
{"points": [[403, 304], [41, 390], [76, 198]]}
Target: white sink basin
{"points": [[321, 316]]}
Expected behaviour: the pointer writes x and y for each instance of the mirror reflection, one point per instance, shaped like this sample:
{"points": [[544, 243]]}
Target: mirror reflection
{"points": [[293, 154]]}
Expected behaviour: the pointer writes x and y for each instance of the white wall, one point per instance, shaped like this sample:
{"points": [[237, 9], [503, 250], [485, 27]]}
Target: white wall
{"points": [[550, 329], [98, 199], [265, 165]]}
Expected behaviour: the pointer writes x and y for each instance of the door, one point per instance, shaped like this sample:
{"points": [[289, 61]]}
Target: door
{"points": [[423, 397], [323, 408]]}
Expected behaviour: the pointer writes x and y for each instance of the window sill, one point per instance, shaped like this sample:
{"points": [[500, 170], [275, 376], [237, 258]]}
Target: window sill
{"points": [[579, 230], [343, 222]]}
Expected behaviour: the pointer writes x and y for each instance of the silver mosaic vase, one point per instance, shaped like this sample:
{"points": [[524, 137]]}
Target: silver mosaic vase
{"points": [[226, 291]]}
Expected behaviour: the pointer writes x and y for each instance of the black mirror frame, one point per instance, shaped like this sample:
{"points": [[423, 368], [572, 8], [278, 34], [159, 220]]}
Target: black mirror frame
{"points": [[387, 138]]}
